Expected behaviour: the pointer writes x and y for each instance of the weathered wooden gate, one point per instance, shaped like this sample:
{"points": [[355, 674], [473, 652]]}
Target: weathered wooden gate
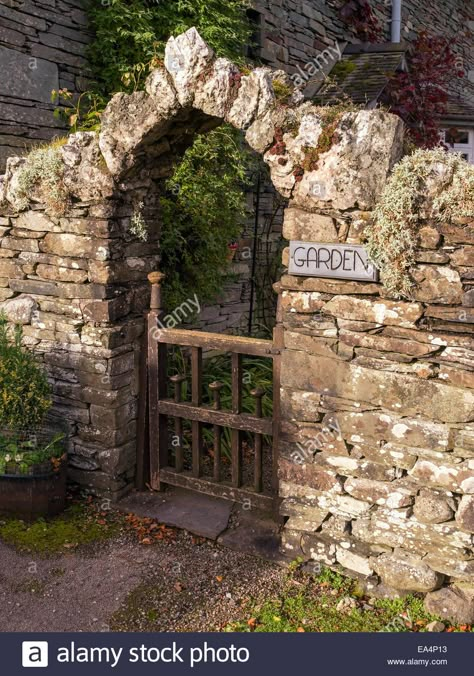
{"points": [[157, 463]]}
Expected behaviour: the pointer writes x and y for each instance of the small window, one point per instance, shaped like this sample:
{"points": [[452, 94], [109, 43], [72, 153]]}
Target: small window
{"points": [[460, 141], [457, 136]]}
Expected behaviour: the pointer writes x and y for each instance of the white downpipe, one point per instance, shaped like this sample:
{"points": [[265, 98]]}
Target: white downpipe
{"points": [[396, 20]]}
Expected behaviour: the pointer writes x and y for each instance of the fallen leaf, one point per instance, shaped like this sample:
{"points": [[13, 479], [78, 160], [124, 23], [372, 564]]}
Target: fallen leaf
{"points": [[219, 578]]}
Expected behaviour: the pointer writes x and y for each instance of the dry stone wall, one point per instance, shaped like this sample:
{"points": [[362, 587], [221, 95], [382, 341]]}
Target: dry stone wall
{"points": [[78, 279], [377, 457], [376, 467]]}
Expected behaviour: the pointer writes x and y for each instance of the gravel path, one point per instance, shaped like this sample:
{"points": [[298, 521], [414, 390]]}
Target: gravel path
{"points": [[179, 585]]}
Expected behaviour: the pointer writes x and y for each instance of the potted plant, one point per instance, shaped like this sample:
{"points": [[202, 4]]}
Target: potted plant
{"points": [[32, 455]]}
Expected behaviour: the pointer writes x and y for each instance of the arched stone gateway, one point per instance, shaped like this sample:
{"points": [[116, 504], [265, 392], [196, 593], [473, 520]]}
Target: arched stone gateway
{"points": [[377, 455]]}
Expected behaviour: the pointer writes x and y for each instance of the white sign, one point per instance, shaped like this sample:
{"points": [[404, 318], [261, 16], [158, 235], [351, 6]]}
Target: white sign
{"points": [[340, 261]]}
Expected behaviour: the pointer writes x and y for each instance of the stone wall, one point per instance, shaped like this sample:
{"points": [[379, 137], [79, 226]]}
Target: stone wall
{"points": [[62, 282], [377, 457], [377, 464], [75, 274], [42, 47]]}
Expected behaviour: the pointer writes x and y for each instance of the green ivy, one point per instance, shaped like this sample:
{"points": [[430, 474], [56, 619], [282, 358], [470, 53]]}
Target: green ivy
{"points": [[132, 33], [202, 212], [204, 207]]}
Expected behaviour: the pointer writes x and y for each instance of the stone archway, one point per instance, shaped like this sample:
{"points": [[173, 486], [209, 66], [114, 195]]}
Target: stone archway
{"points": [[78, 280]]}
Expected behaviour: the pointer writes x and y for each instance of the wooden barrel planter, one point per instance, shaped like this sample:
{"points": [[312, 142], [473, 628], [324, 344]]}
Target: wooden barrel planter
{"points": [[32, 490], [30, 496]]}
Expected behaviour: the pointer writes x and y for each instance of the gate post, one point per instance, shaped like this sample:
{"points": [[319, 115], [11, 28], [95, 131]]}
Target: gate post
{"points": [[157, 360]]}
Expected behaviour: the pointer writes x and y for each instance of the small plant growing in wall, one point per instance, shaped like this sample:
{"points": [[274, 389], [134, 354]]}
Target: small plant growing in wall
{"points": [[80, 113], [43, 172], [393, 239], [138, 225]]}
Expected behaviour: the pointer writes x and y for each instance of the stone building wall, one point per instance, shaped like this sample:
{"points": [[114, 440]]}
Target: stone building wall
{"points": [[42, 47]]}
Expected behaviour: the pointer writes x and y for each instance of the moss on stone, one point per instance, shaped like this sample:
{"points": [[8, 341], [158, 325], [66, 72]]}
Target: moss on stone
{"points": [[282, 90], [342, 69], [331, 117], [78, 526]]}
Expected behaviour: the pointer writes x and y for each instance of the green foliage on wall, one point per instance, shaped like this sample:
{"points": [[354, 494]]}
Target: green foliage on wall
{"points": [[393, 240], [204, 206], [130, 34], [25, 395], [202, 211]]}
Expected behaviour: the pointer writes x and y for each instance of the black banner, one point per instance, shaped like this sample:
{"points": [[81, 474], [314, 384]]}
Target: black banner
{"points": [[250, 654]]}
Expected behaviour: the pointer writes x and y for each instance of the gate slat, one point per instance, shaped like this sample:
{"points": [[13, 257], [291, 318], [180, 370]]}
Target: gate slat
{"points": [[196, 389], [236, 410], [243, 421]]}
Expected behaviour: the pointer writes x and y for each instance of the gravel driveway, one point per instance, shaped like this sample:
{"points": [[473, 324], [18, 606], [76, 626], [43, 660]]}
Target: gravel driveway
{"points": [[185, 584]]}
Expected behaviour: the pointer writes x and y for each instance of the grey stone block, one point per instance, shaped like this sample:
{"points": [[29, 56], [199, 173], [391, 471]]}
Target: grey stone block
{"points": [[57, 56], [12, 37], [28, 115], [25, 77], [21, 18]]}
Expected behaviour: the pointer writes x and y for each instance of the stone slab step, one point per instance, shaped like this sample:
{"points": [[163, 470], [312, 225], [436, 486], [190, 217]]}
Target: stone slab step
{"points": [[199, 514]]}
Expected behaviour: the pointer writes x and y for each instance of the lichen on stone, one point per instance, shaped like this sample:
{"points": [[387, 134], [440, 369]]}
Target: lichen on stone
{"points": [[428, 183], [330, 118]]}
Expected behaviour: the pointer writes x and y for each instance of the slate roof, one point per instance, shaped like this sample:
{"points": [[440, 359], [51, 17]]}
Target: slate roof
{"points": [[362, 74], [459, 110]]}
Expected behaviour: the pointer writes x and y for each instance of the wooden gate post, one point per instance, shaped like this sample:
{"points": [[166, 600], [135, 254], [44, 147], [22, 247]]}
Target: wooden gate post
{"points": [[142, 467], [157, 384]]}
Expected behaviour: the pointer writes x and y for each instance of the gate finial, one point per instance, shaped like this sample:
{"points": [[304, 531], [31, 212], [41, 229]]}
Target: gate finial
{"points": [[156, 279]]}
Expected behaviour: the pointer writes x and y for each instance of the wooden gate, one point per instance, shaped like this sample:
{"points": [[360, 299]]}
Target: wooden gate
{"points": [[157, 463]]}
